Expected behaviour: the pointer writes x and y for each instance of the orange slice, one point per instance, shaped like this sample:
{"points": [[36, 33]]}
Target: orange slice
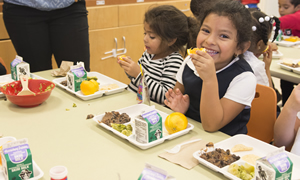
{"points": [[121, 57], [193, 51], [266, 49]]}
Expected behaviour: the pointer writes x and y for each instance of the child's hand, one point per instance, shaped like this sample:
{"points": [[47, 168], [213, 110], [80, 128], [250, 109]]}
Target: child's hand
{"points": [[129, 66], [177, 101], [268, 57], [204, 64], [273, 47]]}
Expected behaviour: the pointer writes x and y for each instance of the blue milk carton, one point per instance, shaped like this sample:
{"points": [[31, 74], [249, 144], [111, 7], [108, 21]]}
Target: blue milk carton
{"points": [[17, 160], [19, 67], [75, 76]]}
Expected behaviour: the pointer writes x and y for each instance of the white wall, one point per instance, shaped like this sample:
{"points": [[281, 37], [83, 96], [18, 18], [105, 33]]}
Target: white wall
{"points": [[270, 7]]}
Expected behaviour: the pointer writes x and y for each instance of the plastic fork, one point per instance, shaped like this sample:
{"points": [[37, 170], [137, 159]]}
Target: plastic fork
{"points": [[25, 90], [177, 148]]}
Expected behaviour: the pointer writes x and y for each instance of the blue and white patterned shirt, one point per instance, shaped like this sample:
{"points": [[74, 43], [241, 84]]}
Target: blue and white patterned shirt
{"points": [[44, 5]]}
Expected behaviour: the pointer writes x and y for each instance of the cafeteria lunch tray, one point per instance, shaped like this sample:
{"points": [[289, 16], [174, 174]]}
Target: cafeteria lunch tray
{"points": [[37, 172], [102, 79], [286, 43], [289, 68], [134, 111], [7, 79], [260, 149], [275, 55]]}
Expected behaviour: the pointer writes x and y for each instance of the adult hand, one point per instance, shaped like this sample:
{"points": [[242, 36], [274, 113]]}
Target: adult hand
{"points": [[177, 101]]}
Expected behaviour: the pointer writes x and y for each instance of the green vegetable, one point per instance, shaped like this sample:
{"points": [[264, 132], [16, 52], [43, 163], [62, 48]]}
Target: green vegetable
{"points": [[126, 132], [245, 172], [92, 77], [124, 129]]}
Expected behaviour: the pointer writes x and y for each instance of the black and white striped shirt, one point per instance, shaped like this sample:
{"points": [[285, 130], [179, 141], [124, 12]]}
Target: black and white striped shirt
{"points": [[160, 75]]}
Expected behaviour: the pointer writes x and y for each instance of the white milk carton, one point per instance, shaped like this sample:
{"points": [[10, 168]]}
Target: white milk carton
{"points": [[275, 166], [19, 67], [17, 160], [148, 127], [151, 172], [75, 76]]}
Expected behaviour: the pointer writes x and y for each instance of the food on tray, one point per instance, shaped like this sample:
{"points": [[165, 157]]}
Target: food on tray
{"points": [[92, 77], [241, 147], [289, 62], [109, 87], [292, 39], [176, 122], [245, 172], [88, 87], [114, 117], [250, 158], [219, 157], [193, 51], [64, 83], [124, 129], [90, 116], [121, 57]]}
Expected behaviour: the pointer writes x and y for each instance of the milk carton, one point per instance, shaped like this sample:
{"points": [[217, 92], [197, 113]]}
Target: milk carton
{"points": [[75, 76], [148, 127], [19, 67], [151, 172], [17, 160], [275, 166]]}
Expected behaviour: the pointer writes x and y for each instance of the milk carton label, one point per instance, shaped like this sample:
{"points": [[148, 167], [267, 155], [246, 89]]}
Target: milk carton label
{"points": [[17, 160], [75, 76], [276, 166], [19, 67], [148, 127]]}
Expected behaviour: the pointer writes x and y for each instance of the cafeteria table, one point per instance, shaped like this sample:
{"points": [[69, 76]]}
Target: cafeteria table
{"points": [[58, 136], [276, 71]]}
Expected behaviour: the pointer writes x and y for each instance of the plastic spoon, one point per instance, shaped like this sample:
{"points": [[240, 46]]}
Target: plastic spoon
{"points": [[25, 90], [177, 148]]}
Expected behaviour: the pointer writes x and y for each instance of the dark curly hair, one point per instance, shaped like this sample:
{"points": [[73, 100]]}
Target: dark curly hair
{"points": [[239, 16], [295, 2], [169, 23], [263, 29]]}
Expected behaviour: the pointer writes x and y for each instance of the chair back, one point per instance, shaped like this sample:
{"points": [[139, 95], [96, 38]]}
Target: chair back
{"points": [[263, 114]]}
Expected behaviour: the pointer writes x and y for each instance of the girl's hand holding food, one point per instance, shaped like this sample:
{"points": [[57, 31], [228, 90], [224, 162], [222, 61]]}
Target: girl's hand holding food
{"points": [[267, 57], [129, 66], [177, 101], [204, 64]]}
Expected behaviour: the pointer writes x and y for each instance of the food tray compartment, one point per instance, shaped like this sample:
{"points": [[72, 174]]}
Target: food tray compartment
{"points": [[289, 68], [102, 79], [38, 173], [260, 149], [286, 43], [275, 55], [134, 111], [7, 79]]}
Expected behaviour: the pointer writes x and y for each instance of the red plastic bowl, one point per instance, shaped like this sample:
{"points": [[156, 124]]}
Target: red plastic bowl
{"points": [[38, 86]]}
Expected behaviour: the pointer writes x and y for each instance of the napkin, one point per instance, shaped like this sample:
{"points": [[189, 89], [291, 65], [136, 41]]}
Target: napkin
{"points": [[63, 69], [185, 156], [296, 147]]}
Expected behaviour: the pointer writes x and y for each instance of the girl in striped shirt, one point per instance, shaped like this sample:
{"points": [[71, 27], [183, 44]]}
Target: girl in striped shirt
{"points": [[166, 31]]}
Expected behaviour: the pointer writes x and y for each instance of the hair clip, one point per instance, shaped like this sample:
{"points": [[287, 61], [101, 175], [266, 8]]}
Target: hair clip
{"points": [[261, 20], [246, 6], [253, 28], [267, 18]]}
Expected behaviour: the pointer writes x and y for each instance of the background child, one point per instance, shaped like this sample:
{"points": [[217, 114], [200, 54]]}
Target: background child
{"points": [[218, 85], [166, 32], [286, 130], [289, 11], [262, 26]]}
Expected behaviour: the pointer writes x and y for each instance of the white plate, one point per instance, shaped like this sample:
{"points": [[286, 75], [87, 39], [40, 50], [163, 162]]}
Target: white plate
{"points": [[4, 79], [134, 111], [38, 173], [286, 43], [289, 68], [102, 79], [260, 148], [275, 55]]}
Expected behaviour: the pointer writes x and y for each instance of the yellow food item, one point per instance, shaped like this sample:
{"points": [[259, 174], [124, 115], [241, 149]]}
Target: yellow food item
{"points": [[241, 147], [292, 39], [121, 57], [88, 87], [95, 83], [193, 51], [176, 122], [265, 49]]}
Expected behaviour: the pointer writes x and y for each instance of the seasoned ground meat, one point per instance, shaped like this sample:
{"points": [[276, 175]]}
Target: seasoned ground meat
{"points": [[115, 117], [220, 157]]}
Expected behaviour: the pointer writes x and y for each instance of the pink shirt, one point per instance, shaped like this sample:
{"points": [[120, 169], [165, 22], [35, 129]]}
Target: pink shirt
{"points": [[291, 21]]}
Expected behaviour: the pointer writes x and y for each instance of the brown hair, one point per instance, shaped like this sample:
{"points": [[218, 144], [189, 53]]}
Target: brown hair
{"points": [[169, 23]]}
